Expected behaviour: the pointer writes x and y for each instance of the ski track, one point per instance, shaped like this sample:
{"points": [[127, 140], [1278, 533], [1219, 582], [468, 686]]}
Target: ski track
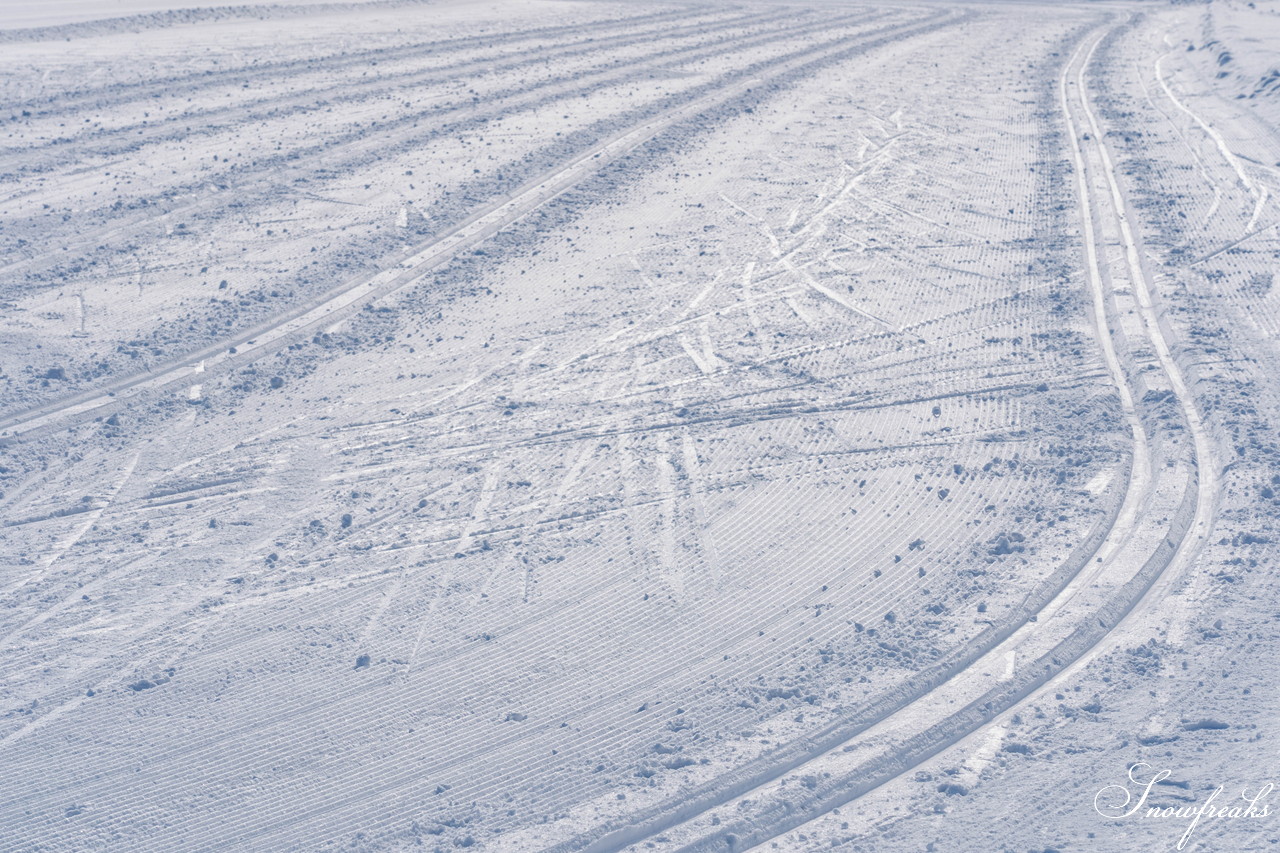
{"points": [[643, 401], [269, 337], [756, 834]]}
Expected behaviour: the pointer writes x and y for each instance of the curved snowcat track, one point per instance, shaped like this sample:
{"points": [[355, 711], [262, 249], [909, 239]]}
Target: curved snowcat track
{"points": [[358, 146], [141, 91], [892, 725], [117, 140], [302, 320]]}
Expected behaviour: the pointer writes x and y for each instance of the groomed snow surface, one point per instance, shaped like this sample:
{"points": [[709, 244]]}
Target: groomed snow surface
{"points": [[536, 425]]}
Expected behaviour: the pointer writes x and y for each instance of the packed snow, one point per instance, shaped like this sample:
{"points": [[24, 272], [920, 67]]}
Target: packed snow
{"points": [[535, 425]]}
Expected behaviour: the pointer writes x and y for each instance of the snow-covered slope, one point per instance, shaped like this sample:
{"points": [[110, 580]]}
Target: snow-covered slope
{"points": [[537, 425]]}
